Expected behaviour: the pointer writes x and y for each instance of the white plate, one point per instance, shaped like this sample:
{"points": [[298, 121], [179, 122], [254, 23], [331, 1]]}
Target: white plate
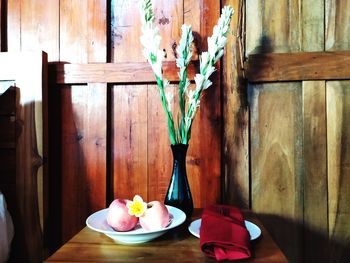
{"points": [[97, 221], [253, 229]]}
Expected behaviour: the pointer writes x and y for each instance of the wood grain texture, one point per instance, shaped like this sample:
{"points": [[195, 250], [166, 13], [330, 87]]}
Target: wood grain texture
{"points": [[82, 39], [276, 126], [129, 141], [337, 22], [338, 107], [298, 66], [314, 140], [159, 158], [40, 27], [205, 143], [126, 28], [315, 171], [272, 26], [235, 115], [276, 162], [13, 25], [312, 25], [337, 38], [138, 72]]}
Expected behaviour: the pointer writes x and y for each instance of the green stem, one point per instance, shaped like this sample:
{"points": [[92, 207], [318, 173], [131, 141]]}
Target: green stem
{"points": [[182, 102], [170, 121]]}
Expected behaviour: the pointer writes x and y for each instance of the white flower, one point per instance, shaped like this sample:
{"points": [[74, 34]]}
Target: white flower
{"points": [[180, 62], [157, 69], [211, 47], [199, 79], [210, 70], [204, 62], [169, 98], [207, 84]]}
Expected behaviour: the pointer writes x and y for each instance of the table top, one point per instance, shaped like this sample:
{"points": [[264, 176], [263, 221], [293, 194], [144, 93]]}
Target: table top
{"points": [[177, 245]]}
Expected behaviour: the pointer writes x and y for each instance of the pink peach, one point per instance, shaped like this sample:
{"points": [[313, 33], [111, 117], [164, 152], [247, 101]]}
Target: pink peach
{"points": [[118, 217], [156, 216]]}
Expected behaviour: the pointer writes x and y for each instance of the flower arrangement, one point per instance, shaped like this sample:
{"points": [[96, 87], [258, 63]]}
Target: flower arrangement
{"points": [[189, 99]]}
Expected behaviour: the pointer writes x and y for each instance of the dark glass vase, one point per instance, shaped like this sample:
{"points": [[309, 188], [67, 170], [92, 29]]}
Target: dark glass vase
{"points": [[179, 193]]}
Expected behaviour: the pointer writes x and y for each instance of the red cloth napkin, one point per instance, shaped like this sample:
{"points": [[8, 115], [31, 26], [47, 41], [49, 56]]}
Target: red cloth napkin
{"points": [[223, 234]]}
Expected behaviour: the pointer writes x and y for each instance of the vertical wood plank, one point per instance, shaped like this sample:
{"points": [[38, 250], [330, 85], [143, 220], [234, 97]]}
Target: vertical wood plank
{"points": [[169, 18], [126, 28], [235, 116], [315, 140], [83, 39], [276, 162], [40, 27], [337, 38], [338, 108], [205, 143], [130, 141], [159, 152], [276, 126], [14, 25], [312, 25], [34, 25], [273, 26], [337, 25], [315, 170]]}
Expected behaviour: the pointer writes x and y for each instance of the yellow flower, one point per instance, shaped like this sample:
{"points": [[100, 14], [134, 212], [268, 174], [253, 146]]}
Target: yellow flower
{"points": [[137, 207]]}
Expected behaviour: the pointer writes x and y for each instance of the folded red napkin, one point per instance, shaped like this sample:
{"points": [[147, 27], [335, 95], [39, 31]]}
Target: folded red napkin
{"points": [[223, 234]]}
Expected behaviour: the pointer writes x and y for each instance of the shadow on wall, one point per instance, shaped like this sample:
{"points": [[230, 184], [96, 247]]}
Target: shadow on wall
{"points": [[312, 245]]}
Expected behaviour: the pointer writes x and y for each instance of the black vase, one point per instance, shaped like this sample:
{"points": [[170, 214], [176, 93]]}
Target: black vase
{"points": [[179, 193]]}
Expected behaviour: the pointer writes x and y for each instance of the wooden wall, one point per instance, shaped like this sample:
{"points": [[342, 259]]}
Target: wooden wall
{"points": [[109, 141], [298, 131], [278, 148]]}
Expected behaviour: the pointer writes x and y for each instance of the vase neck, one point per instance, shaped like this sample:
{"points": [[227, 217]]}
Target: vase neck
{"points": [[179, 151]]}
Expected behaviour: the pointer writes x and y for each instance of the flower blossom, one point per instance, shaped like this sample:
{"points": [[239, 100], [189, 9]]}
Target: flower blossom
{"points": [[137, 207]]}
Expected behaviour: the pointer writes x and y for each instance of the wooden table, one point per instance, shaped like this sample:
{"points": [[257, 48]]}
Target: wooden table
{"points": [[177, 245]]}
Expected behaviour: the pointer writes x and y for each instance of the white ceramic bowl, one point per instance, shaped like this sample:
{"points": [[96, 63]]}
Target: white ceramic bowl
{"points": [[97, 222]]}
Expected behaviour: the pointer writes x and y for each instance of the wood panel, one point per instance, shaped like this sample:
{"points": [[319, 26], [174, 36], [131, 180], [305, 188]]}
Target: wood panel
{"points": [[276, 162], [82, 39], [39, 26], [126, 28], [276, 127], [337, 38], [314, 139], [13, 23], [139, 72], [271, 26], [129, 139], [205, 143], [169, 18], [338, 107], [235, 116], [315, 172], [298, 66], [159, 157]]}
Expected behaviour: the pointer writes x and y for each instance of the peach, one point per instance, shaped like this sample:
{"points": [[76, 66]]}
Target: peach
{"points": [[156, 216], [118, 217]]}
